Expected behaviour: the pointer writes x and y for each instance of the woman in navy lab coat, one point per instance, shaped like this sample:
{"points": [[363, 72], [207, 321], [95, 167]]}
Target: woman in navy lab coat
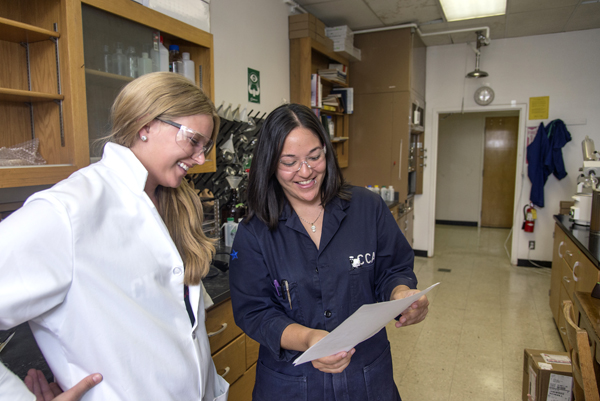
{"points": [[106, 265], [312, 250]]}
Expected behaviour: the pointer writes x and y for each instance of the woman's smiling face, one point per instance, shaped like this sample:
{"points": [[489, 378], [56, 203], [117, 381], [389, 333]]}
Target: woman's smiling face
{"points": [[302, 149]]}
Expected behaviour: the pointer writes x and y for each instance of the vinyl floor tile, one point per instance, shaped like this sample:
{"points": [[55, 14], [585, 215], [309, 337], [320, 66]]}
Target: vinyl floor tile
{"points": [[481, 317]]}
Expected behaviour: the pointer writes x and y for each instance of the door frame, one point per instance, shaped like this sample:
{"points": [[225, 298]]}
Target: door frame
{"points": [[521, 171]]}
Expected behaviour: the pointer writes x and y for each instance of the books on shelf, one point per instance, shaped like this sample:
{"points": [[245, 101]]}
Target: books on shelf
{"points": [[333, 74], [328, 124], [346, 98]]}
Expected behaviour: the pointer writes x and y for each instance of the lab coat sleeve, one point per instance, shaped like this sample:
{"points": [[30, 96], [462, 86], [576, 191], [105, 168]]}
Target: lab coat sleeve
{"points": [[36, 271], [255, 308], [12, 388], [395, 257]]}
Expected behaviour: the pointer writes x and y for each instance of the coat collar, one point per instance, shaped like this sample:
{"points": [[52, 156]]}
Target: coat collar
{"points": [[128, 167]]}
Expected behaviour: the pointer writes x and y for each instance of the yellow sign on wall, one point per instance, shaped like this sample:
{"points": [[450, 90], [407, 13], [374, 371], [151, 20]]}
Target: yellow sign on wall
{"points": [[538, 107]]}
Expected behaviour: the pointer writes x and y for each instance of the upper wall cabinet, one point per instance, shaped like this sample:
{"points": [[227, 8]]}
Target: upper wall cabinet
{"points": [[392, 61], [52, 78]]}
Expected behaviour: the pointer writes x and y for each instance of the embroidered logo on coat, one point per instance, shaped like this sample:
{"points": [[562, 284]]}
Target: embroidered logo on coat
{"points": [[359, 260]]}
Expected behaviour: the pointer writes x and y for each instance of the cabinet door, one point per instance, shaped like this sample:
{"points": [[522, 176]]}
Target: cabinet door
{"points": [[400, 146], [371, 133], [556, 277], [385, 64]]}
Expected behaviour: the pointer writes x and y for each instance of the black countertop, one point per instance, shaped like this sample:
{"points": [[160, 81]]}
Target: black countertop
{"points": [[587, 242]]}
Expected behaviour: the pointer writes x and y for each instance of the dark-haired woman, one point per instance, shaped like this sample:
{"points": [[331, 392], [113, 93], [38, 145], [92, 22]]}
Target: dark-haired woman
{"points": [[311, 251]]}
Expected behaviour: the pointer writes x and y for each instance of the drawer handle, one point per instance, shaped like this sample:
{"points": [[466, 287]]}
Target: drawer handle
{"points": [[563, 331], [575, 267], [227, 369], [569, 253], [559, 246], [214, 333], [565, 279]]}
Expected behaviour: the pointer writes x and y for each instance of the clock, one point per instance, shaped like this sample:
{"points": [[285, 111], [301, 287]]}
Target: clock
{"points": [[484, 96]]}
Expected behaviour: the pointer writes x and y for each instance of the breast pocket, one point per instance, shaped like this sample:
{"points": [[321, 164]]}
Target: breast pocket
{"points": [[271, 385], [361, 286]]}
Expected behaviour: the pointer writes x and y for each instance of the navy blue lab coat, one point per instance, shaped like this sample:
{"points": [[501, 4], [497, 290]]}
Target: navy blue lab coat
{"points": [[325, 289]]}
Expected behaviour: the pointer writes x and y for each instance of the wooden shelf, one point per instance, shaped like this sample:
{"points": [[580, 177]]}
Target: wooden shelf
{"points": [[18, 32], [16, 95], [108, 76], [334, 83]]}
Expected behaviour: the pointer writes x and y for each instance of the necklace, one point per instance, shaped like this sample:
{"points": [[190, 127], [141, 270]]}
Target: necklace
{"points": [[312, 225]]}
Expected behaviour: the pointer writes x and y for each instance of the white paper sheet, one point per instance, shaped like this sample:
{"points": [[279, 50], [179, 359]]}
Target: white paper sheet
{"points": [[360, 326]]}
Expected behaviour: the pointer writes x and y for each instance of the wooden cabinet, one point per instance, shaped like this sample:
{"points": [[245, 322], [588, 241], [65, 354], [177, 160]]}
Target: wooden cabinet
{"points": [[388, 87], [571, 271], [49, 86], [234, 353], [307, 56], [405, 220]]}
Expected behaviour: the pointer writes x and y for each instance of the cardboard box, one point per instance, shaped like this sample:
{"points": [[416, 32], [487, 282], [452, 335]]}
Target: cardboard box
{"points": [[543, 374], [298, 26], [302, 18], [303, 33]]}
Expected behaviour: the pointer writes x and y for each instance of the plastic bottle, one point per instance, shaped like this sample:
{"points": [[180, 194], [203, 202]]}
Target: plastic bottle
{"points": [[175, 60], [232, 208], [376, 189], [384, 193], [106, 59], [390, 193], [119, 61], [188, 67], [163, 56], [230, 229], [144, 65], [132, 63]]}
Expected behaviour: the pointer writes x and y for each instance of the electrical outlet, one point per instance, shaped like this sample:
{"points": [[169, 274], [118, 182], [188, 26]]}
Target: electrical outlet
{"points": [[531, 244]]}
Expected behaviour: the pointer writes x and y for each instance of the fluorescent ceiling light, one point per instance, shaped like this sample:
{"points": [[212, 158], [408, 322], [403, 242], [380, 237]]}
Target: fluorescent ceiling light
{"points": [[456, 10]]}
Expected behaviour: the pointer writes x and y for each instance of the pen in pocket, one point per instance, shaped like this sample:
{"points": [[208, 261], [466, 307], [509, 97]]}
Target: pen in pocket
{"points": [[287, 290]]}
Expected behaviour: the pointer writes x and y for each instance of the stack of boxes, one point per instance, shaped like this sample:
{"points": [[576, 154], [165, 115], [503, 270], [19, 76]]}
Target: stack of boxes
{"points": [[343, 41], [308, 26]]}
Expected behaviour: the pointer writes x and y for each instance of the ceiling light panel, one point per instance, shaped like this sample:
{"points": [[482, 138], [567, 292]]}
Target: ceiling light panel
{"points": [[456, 10]]}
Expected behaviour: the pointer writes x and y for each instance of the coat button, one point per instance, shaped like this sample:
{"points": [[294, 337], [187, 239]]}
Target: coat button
{"points": [[327, 313], [194, 335], [177, 271]]}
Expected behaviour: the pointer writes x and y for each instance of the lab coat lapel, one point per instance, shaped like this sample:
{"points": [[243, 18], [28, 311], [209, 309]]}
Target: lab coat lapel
{"points": [[332, 220]]}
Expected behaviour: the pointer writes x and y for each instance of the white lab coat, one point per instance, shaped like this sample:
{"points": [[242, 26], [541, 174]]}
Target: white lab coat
{"points": [[90, 263]]}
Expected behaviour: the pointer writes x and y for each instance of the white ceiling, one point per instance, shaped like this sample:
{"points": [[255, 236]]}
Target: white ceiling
{"points": [[523, 17]]}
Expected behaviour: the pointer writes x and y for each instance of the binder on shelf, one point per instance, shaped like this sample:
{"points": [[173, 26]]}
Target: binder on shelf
{"points": [[315, 91], [328, 124], [347, 98]]}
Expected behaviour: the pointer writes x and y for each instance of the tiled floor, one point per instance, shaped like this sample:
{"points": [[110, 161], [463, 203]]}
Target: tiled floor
{"points": [[481, 317]]}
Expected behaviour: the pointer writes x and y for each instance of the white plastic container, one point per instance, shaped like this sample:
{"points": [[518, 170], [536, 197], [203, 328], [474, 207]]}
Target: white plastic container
{"points": [[144, 64], [163, 56], [376, 189], [188, 67], [390, 193], [384, 193], [230, 230]]}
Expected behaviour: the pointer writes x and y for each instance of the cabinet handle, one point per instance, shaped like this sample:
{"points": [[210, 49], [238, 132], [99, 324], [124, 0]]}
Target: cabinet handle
{"points": [[575, 267], [566, 279], [559, 245], [214, 333], [569, 253], [563, 331], [227, 369]]}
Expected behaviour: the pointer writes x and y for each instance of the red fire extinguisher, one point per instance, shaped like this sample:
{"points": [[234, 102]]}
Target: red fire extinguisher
{"points": [[529, 216]]}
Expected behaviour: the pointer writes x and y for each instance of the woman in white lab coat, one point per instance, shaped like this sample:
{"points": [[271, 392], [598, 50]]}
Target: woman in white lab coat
{"points": [[106, 265]]}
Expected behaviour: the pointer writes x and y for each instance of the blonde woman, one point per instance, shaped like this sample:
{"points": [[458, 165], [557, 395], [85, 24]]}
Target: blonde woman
{"points": [[106, 265]]}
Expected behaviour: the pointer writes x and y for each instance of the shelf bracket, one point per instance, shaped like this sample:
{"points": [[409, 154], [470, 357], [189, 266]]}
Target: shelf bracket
{"points": [[60, 103]]}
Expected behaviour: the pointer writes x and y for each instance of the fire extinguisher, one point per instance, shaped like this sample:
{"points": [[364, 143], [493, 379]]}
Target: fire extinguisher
{"points": [[529, 216]]}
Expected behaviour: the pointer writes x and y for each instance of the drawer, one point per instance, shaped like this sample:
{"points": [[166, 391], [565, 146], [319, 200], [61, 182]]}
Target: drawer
{"points": [[230, 362], [567, 280], [220, 326], [251, 352], [394, 211], [241, 390], [585, 274], [562, 323]]}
